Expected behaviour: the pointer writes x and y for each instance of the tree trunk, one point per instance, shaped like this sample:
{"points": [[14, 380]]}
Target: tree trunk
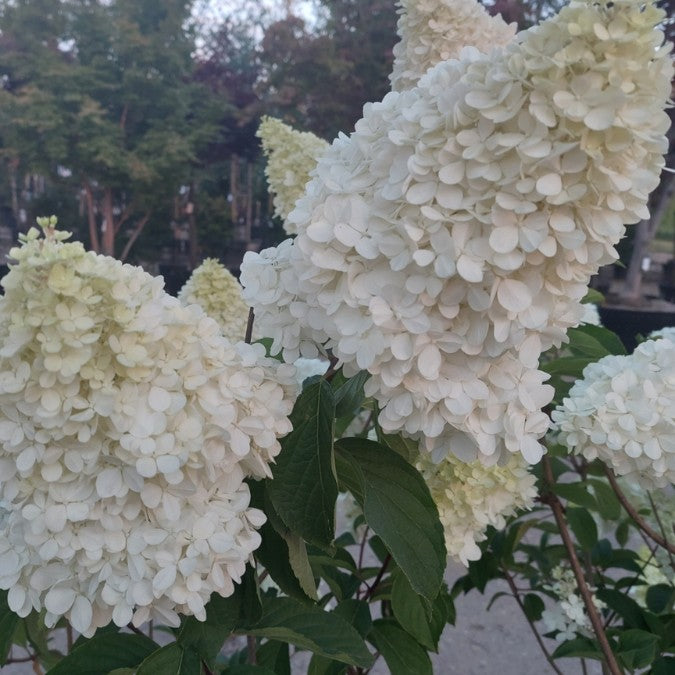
{"points": [[134, 235], [234, 191], [108, 224], [192, 226], [249, 201], [13, 168], [91, 217]]}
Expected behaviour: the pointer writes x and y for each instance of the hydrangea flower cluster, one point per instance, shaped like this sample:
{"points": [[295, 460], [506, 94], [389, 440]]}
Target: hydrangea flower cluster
{"points": [[623, 412], [450, 239], [432, 31], [591, 315], [127, 427], [665, 333], [472, 496], [218, 293], [291, 156], [568, 618]]}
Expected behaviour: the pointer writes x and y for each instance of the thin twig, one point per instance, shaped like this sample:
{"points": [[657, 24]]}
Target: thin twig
{"points": [[331, 372], [663, 530], [249, 327], [133, 629], [591, 609], [21, 659], [251, 649], [540, 642], [69, 636], [362, 549], [371, 591], [635, 516], [206, 669]]}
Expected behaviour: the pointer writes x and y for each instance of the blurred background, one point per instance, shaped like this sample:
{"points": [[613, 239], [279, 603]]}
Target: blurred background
{"points": [[134, 121]]}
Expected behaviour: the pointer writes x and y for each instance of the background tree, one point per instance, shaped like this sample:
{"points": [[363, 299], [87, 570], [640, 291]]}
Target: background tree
{"points": [[104, 103]]}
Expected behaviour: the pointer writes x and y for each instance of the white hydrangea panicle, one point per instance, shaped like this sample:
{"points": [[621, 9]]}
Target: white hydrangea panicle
{"points": [[271, 287], [591, 314], [472, 496], [667, 333], [623, 412], [455, 228], [568, 617], [432, 31], [291, 156], [219, 294], [127, 427]]}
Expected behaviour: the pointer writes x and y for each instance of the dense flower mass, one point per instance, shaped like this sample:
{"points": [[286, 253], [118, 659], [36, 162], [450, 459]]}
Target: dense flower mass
{"points": [[666, 333], [568, 617], [127, 427], [291, 156], [432, 31], [623, 412], [450, 239], [472, 496], [218, 293]]}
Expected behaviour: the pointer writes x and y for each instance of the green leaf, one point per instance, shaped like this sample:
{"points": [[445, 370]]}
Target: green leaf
{"points": [[593, 297], [660, 598], [533, 606], [624, 606], [582, 648], [206, 638], [622, 532], [406, 447], [398, 507], [171, 660], [251, 604], [401, 652], [423, 620], [309, 627], [274, 655], [104, 653], [349, 396], [297, 556], [483, 570], [304, 489], [248, 669], [356, 613], [37, 635], [664, 665], [320, 665], [596, 341], [567, 365], [8, 624], [607, 504], [584, 527], [274, 551], [577, 493], [637, 648]]}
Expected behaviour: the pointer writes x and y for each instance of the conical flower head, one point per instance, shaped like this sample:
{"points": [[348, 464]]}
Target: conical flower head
{"points": [[218, 293], [127, 427], [450, 239], [432, 31], [471, 496], [291, 157]]}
